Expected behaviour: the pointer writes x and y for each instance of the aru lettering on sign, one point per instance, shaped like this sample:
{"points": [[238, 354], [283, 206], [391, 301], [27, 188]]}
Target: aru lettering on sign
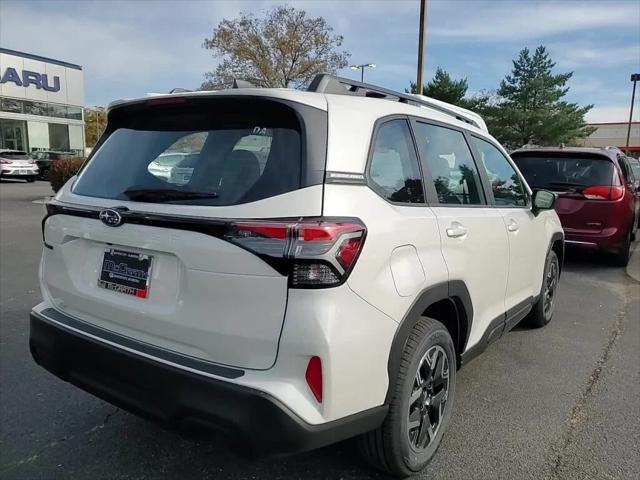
{"points": [[28, 78]]}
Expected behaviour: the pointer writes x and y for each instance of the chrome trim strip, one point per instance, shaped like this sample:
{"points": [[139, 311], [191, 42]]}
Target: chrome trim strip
{"points": [[577, 242]]}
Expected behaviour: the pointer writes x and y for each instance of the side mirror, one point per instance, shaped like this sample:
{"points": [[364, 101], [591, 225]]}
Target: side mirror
{"points": [[543, 200]]}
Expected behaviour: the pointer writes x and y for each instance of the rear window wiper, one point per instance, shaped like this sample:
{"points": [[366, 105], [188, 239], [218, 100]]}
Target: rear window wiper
{"points": [[159, 195]]}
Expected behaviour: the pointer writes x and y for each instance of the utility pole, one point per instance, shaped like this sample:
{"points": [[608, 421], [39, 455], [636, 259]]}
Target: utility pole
{"points": [[634, 78], [421, 40]]}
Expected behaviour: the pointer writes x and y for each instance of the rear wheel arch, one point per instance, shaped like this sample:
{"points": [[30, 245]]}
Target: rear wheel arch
{"points": [[447, 302]]}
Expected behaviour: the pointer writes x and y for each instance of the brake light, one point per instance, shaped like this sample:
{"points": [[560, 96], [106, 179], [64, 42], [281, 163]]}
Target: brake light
{"points": [[313, 375], [166, 101], [603, 192], [5, 162], [313, 253]]}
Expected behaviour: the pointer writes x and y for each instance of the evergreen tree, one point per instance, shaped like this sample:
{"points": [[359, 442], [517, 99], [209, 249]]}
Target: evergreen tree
{"points": [[444, 88], [531, 108]]}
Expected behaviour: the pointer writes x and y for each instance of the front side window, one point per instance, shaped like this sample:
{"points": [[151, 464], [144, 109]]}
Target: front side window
{"points": [[394, 170], [506, 184], [447, 157]]}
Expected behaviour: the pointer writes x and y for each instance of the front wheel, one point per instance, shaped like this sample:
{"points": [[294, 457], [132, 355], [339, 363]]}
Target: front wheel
{"points": [[421, 406], [31, 179], [543, 309]]}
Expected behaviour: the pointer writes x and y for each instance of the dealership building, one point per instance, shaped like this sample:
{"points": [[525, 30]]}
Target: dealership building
{"points": [[615, 134], [41, 103]]}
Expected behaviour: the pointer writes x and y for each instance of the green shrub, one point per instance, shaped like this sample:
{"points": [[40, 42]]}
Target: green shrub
{"points": [[63, 171]]}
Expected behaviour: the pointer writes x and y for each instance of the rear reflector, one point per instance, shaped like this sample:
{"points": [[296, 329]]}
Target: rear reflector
{"points": [[316, 253], [603, 192], [313, 376]]}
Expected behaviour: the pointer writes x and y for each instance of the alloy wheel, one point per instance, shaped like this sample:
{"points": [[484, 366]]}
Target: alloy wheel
{"points": [[428, 399], [551, 283]]}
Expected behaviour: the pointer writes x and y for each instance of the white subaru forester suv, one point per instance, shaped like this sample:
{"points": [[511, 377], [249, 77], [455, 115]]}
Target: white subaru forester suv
{"points": [[317, 268]]}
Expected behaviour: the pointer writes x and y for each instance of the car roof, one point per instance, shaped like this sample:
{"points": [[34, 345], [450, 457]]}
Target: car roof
{"points": [[609, 152], [377, 107], [16, 152]]}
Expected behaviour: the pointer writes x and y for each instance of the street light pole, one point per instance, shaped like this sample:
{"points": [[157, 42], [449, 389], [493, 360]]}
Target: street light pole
{"points": [[361, 68], [421, 40], [634, 78]]}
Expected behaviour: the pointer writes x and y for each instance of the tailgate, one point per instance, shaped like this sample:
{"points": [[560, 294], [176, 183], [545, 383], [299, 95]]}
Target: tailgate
{"points": [[207, 298]]}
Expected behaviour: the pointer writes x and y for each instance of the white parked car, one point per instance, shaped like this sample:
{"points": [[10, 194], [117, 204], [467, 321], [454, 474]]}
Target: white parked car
{"points": [[331, 292], [17, 164], [164, 164]]}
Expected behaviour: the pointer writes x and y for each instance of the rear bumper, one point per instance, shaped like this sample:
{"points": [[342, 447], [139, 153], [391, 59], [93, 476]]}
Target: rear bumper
{"points": [[10, 174], [609, 239], [179, 398]]}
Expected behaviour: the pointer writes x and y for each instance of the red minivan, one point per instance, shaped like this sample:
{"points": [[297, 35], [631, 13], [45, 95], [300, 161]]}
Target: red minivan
{"points": [[598, 194]]}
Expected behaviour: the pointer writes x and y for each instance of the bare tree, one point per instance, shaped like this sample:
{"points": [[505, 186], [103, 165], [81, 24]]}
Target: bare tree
{"points": [[283, 48]]}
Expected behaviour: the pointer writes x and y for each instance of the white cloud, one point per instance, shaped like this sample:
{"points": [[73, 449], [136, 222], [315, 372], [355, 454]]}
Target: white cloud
{"points": [[575, 55], [498, 21], [106, 47], [612, 113]]}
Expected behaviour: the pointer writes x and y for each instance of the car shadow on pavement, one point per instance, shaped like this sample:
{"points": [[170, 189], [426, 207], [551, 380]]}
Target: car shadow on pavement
{"points": [[578, 260], [211, 455]]}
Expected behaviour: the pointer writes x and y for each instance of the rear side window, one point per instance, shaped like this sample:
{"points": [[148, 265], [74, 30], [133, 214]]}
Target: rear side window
{"points": [[634, 164], [564, 172], [217, 153], [394, 171], [506, 184], [447, 157]]}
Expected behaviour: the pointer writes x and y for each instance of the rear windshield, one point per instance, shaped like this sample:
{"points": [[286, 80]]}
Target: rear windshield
{"points": [[15, 155], [217, 153], [564, 172]]}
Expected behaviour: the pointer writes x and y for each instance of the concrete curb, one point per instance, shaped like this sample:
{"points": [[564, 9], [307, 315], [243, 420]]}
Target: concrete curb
{"points": [[633, 269]]}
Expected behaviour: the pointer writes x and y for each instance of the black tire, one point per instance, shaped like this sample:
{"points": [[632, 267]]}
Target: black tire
{"points": [[621, 258], [542, 311], [392, 447], [31, 179]]}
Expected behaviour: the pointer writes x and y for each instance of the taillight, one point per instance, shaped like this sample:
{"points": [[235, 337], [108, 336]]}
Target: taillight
{"points": [[314, 253], [313, 375], [5, 162], [603, 192]]}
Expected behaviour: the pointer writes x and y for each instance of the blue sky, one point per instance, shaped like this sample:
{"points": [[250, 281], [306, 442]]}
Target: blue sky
{"points": [[131, 48]]}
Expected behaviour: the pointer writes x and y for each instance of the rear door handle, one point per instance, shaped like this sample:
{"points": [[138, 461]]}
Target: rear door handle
{"points": [[456, 230], [513, 226]]}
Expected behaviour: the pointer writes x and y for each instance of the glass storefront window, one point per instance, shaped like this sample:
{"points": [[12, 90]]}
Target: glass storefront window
{"points": [[35, 108], [74, 113], [42, 109], [11, 105], [59, 137], [57, 110], [13, 134]]}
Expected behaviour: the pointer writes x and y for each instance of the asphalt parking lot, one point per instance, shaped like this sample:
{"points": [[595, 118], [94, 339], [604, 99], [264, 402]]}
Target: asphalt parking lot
{"points": [[562, 402]]}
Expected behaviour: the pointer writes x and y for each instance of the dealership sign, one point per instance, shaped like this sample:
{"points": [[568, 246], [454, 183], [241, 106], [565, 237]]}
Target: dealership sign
{"points": [[28, 78]]}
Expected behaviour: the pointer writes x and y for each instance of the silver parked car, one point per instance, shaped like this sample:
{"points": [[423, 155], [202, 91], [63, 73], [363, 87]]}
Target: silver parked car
{"points": [[17, 164]]}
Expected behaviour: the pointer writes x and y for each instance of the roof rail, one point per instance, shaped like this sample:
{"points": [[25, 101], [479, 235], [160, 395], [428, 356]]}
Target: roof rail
{"points": [[325, 83], [180, 90]]}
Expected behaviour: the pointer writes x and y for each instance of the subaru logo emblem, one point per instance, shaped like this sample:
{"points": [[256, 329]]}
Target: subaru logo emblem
{"points": [[111, 218]]}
